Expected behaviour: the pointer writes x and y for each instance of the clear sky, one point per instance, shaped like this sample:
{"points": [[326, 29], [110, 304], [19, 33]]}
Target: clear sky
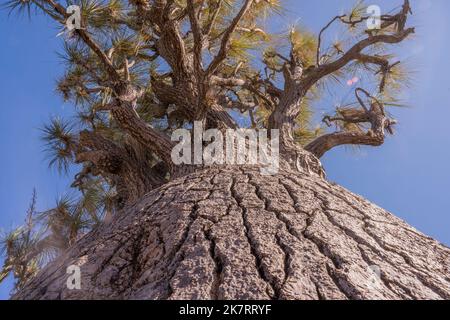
{"points": [[409, 175]]}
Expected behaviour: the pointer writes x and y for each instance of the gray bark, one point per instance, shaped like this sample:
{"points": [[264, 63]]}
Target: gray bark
{"points": [[230, 233]]}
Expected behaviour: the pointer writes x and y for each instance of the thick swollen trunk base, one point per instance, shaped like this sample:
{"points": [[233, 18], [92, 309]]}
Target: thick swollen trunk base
{"points": [[234, 234]]}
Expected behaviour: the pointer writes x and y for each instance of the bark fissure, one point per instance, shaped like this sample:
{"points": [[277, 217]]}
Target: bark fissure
{"points": [[215, 294], [286, 263], [271, 291], [178, 251], [277, 286], [359, 240], [309, 220], [345, 288], [421, 277]]}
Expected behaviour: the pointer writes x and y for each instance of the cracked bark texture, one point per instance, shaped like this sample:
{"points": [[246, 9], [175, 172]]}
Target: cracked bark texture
{"points": [[231, 233]]}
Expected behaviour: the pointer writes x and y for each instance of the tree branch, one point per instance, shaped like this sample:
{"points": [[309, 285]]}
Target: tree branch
{"points": [[156, 141], [88, 41], [375, 136], [222, 54], [319, 40], [209, 26], [315, 74], [198, 38]]}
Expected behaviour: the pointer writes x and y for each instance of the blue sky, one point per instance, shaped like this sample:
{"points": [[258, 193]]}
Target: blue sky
{"points": [[409, 175]]}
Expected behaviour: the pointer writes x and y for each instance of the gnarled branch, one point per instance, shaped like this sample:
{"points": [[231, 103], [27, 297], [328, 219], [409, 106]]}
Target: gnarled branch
{"points": [[375, 116]]}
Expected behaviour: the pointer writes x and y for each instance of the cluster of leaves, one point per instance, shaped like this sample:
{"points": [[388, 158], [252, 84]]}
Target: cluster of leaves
{"points": [[27, 248]]}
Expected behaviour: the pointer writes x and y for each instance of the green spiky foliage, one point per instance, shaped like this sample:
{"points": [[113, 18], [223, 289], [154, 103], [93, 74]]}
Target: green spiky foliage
{"points": [[29, 247], [139, 69], [17, 247]]}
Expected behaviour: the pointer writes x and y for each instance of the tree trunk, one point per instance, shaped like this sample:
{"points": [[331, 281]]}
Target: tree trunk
{"points": [[231, 233]]}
